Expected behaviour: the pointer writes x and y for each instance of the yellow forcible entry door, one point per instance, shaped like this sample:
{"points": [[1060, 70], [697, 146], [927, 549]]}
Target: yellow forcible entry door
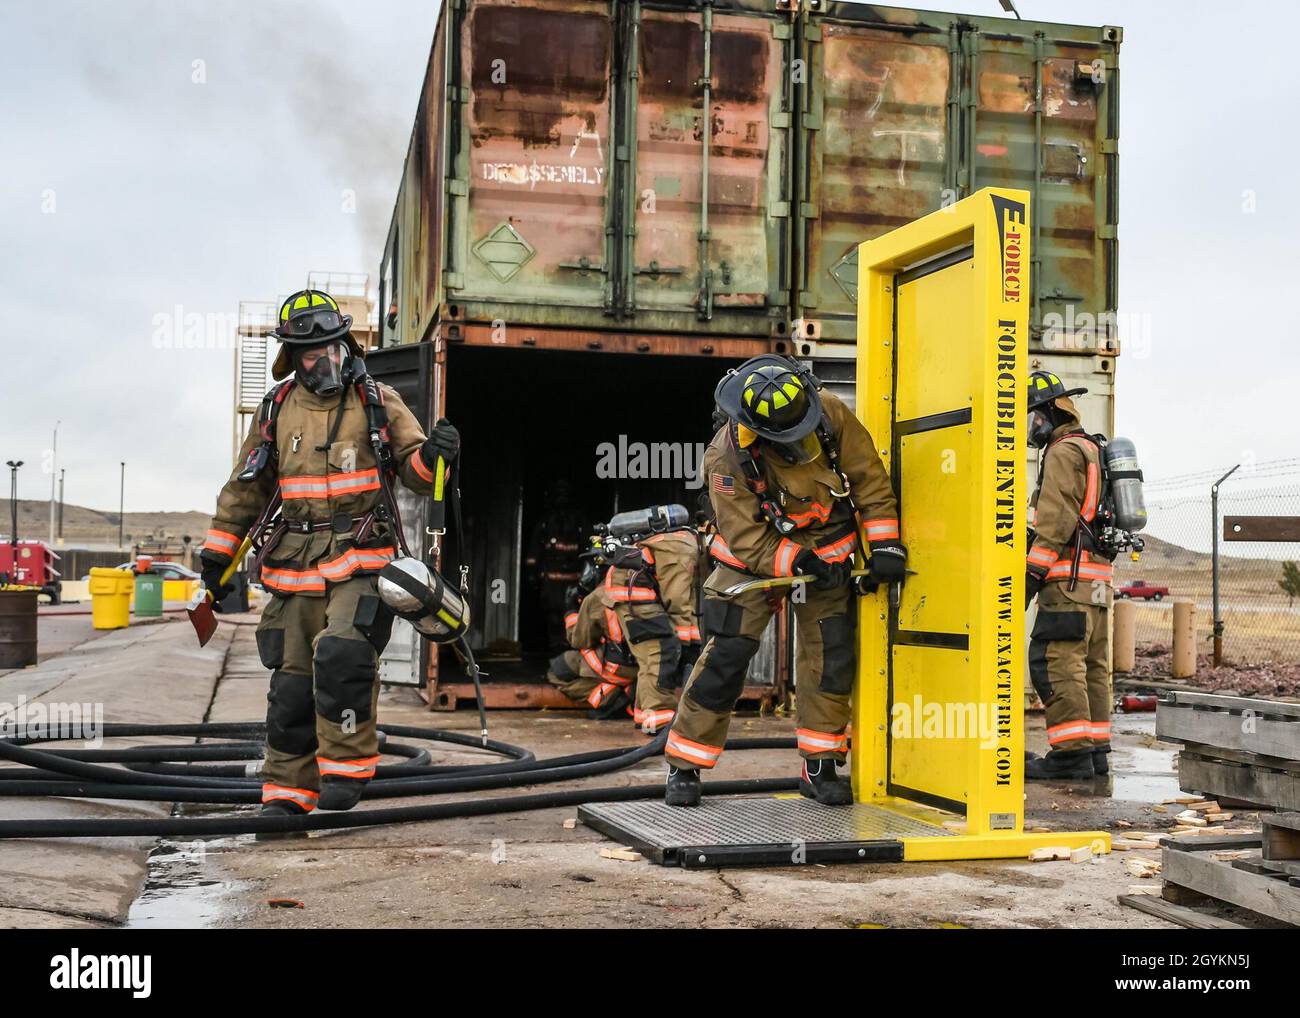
{"points": [[942, 351]]}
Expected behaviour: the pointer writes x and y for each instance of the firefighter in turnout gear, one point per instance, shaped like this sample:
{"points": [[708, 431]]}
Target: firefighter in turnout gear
{"points": [[652, 584], [1069, 647], [797, 489], [600, 668], [309, 486]]}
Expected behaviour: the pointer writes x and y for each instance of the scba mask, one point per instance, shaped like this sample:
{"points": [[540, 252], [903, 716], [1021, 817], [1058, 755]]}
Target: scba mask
{"points": [[322, 369]]}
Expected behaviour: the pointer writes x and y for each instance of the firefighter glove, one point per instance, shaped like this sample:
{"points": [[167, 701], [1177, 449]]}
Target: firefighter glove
{"points": [[213, 567], [1033, 584], [826, 575], [888, 562], [444, 441]]}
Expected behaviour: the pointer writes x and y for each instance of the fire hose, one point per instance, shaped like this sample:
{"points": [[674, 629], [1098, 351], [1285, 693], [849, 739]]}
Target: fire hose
{"points": [[205, 774]]}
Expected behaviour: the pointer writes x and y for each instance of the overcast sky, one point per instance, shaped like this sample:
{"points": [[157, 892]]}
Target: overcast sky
{"points": [[193, 154]]}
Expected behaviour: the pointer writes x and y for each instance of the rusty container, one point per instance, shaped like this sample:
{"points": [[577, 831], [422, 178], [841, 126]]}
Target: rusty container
{"points": [[17, 628]]}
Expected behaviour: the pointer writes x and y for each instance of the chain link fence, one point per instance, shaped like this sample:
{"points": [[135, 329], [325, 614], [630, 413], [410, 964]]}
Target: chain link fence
{"points": [[1259, 582]]}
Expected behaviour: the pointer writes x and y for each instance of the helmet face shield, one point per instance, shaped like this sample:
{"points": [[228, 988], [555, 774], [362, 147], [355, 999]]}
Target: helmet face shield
{"points": [[1040, 428], [304, 325], [320, 368], [805, 450]]}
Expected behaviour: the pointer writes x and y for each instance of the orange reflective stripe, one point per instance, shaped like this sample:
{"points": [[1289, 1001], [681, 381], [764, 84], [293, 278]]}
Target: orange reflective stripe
{"points": [[721, 551], [688, 633], [304, 797], [1068, 730], [1090, 495], [818, 513], [839, 550], [329, 485], [222, 541], [786, 551], [593, 660], [881, 530], [1101, 729], [1041, 556], [597, 696], [292, 581], [570, 620], [416, 460], [811, 741], [363, 767], [356, 558], [627, 592], [653, 720], [612, 625], [696, 753]]}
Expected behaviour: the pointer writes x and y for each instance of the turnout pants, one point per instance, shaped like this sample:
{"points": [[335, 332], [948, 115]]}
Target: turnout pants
{"points": [[1069, 664], [653, 639], [826, 622], [320, 717]]}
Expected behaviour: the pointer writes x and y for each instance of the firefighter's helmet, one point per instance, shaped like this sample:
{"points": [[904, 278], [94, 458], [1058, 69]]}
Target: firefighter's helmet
{"points": [[1046, 387], [772, 397], [309, 318]]}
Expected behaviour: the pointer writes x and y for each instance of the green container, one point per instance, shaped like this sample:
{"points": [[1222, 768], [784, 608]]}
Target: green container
{"points": [[148, 595]]}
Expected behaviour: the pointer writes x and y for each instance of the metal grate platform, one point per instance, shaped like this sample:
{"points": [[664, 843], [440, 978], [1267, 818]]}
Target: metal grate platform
{"points": [[759, 831]]}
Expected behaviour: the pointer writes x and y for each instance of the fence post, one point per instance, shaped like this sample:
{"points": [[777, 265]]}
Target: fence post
{"points": [[1184, 659], [1214, 557], [1124, 644]]}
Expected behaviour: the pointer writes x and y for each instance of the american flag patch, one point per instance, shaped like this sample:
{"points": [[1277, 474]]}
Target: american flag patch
{"points": [[724, 484]]}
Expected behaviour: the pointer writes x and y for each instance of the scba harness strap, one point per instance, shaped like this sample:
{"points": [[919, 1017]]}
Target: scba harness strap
{"points": [[372, 401]]}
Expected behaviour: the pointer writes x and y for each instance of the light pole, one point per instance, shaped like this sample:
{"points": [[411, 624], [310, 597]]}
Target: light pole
{"points": [[13, 466], [54, 463], [61, 473], [121, 507], [1214, 565]]}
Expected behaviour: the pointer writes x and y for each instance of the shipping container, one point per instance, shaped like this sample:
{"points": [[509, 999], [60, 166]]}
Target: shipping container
{"points": [[551, 250]]}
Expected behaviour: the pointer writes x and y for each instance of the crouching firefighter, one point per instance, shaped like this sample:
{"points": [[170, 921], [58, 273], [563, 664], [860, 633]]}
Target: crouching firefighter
{"points": [[1077, 529], [600, 668], [797, 488], [654, 572], [313, 487]]}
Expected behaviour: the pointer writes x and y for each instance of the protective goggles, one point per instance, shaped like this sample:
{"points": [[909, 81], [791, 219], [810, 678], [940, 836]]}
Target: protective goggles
{"points": [[310, 322]]}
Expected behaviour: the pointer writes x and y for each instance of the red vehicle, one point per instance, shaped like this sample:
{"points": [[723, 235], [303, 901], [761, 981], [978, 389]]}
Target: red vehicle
{"points": [[1140, 588], [30, 564]]}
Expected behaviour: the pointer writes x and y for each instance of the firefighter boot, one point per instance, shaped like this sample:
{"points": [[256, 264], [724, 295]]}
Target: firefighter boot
{"points": [[280, 808], [1061, 765], [819, 781], [341, 793], [1100, 762], [683, 787]]}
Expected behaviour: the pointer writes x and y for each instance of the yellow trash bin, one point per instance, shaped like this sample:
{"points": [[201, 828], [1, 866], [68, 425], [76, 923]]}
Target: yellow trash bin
{"points": [[110, 597]]}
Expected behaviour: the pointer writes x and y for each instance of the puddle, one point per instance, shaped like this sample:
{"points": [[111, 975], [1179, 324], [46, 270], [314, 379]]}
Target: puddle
{"points": [[1142, 773], [178, 894]]}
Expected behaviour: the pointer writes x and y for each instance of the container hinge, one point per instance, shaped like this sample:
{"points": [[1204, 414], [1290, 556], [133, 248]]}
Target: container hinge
{"points": [[781, 29], [812, 121], [808, 210], [779, 120], [457, 187], [779, 210], [655, 269], [1106, 231], [583, 265], [1108, 146], [453, 280]]}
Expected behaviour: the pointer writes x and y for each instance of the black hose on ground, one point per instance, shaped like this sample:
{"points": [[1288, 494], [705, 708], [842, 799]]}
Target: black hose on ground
{"points": [[152, 773]]}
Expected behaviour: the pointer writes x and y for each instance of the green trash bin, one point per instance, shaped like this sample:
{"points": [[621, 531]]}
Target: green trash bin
{"points": [[148, 595]]}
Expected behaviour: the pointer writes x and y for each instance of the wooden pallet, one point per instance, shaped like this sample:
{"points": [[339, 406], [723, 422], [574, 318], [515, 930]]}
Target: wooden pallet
{"points": [[1267, 884]]}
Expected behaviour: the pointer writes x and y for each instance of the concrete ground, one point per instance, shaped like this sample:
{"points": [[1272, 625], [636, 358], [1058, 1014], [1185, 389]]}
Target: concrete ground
{"points": [[514, 869]]}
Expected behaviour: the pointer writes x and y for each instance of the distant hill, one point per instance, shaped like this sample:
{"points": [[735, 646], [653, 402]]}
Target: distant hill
{"points": [[93, 527]]}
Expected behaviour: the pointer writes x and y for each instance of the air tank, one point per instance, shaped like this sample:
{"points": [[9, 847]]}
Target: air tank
{"points": [[1126, 484]]}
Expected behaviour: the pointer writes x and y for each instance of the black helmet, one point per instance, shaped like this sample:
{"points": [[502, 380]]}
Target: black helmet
{"points": [[309, 318], [1045, 387], [772, 397]]}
